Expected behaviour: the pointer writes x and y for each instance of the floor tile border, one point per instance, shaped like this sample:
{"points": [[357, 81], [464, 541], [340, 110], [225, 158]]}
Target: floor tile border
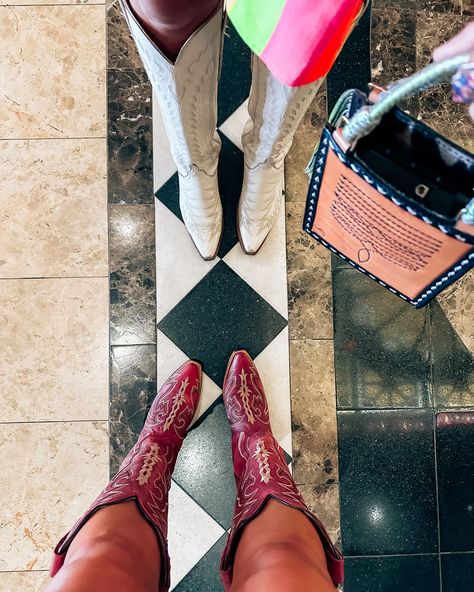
{"points": [[126, 63]]}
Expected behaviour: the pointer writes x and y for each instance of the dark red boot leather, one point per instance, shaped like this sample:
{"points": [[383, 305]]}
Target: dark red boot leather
{"points": [[260, 467], [145, 474]]}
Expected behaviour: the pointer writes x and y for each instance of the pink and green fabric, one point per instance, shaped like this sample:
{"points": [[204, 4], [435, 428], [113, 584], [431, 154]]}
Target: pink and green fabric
{"points": [[298, 40]]}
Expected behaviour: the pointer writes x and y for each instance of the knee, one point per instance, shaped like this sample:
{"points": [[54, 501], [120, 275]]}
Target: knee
{"points": [[107, 547], [283, 551], [288, 564]]}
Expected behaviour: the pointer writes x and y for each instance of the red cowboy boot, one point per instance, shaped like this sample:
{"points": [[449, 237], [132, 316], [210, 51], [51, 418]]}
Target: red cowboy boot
{"points": [[145, 474], [260, 467]]}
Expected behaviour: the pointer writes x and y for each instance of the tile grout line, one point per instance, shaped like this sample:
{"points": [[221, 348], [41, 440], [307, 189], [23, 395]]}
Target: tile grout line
{"points": [[109, 348], [15, 571], [435, 450], [50, 421], [53, 138], [55, 277], [409, 555], [74, 4]]}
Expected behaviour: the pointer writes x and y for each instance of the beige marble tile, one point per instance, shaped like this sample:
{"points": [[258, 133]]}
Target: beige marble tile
{"points": [[309, 281], [26, 581], [55, 470], [53, 71], [305, 140], [54, 208], [458, 305], [323, 500], [313, 404], [47, 2], [54, 336]]}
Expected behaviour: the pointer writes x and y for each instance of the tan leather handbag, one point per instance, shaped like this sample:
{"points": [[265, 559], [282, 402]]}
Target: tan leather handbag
{"points": [[390, 195]]}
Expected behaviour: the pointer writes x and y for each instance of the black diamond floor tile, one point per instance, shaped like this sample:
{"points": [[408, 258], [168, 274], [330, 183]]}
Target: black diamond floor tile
{"points": [[204, 577], [392, 574], [234, 85], [169, 195], [221, 314], [455, 460], [204, 467], [387, 479], [231, 172]]}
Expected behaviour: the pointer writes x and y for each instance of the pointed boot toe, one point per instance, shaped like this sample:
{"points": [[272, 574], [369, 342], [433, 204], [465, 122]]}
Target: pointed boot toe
{"points": [[201, 209]]}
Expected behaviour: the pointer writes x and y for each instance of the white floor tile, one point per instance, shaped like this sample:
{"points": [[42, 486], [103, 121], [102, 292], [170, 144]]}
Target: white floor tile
{"points": [[234, 125], [266, 271], [169, 358], [273, 366], [173, 280], [192, 532]]}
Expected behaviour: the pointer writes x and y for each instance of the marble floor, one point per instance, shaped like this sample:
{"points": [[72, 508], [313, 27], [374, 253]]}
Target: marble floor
{"points": [[372, 401]]}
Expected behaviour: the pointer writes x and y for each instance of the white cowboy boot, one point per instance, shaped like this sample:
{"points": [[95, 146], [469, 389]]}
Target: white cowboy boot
{"points": [[275, 112], [187, 94]]}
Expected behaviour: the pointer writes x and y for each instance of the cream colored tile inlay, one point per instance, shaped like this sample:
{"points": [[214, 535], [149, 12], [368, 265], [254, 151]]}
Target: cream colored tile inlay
{"points": [[26, 581], [53, 212], [53, 71], [51, 471], [47, 2], [54, 336]]}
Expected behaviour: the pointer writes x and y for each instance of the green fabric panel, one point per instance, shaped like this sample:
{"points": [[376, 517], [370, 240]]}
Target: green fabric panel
{"points": [[255, 20]]}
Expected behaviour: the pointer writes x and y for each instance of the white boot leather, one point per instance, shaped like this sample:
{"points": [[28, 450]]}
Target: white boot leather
{"points": [[187, 94], [275, 112]]}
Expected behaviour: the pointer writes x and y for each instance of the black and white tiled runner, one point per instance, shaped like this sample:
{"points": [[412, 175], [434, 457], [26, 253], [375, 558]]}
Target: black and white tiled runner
{"points": [[404, 379], [205, 310]]}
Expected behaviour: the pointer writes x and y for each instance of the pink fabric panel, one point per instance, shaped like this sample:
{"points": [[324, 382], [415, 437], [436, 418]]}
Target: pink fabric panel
{"points": [[308, 38]]}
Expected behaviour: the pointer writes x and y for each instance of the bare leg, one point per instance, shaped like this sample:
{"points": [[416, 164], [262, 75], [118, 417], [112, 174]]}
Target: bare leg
{"points": [[171, 22], [280, 551], [115, 551]]}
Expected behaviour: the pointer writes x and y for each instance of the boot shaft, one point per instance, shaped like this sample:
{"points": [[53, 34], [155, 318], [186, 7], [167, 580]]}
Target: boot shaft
{"points": [[186, 90], [275, 112]]}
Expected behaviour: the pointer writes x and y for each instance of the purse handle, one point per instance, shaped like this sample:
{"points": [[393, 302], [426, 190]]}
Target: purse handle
{"points": [[367, 118]]}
